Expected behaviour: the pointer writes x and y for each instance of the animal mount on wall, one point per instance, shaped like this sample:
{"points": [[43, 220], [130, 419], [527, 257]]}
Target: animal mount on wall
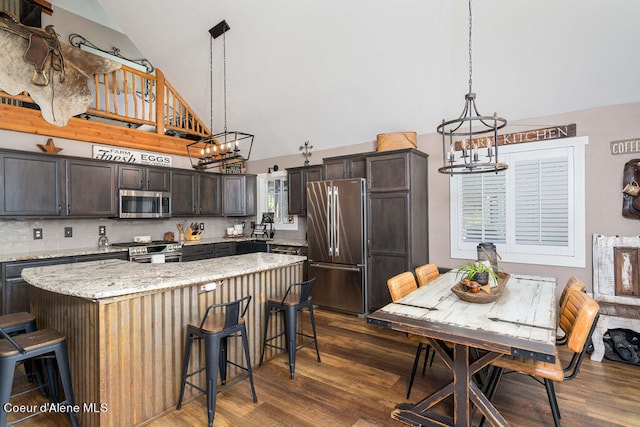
{"points": [[54, 74], [631, 190]]}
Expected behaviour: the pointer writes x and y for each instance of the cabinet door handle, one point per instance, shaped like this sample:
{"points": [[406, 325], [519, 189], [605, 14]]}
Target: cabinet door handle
{"points": [[59, 208]]}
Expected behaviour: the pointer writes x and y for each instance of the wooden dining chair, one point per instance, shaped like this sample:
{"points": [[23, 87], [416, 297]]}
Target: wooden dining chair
{"points": [[572, 284], [578, 319], [426, 273], [399, 286]]}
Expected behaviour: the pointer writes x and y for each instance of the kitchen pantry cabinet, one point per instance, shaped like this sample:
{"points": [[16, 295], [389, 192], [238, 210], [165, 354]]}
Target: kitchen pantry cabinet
{"points": [[398, 212], [342, 167], [238, 195], [30, 185], [297, 179], [144, 178]]}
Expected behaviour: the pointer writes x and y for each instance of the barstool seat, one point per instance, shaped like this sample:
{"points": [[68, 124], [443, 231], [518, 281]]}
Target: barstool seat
{"points": [[295, 299], [21, 322], [38, 345], [215, 328]]}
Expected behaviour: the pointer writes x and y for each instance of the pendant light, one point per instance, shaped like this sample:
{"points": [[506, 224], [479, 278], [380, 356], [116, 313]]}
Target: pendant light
{"points": [[469, 154], [228, 150]]}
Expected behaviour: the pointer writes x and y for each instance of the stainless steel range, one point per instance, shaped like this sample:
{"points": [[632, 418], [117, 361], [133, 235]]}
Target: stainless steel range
{"points": [[153, 252]]}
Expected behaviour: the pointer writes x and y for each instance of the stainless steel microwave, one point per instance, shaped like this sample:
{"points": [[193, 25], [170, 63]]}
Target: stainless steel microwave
{"points": [[144, 204]]}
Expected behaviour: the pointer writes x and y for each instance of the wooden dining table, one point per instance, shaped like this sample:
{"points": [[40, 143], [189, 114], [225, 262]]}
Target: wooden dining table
{"points": [[468, 336]]}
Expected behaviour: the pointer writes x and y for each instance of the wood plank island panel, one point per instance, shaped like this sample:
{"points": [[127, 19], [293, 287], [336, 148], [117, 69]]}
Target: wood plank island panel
{"points": [[126, 351]]}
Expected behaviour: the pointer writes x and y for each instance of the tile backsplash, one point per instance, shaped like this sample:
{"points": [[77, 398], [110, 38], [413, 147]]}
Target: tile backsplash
{"points": [[16, 236]]}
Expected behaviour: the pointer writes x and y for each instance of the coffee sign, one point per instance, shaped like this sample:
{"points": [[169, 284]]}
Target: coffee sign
{"points": [[625, 146], [115, 154]]}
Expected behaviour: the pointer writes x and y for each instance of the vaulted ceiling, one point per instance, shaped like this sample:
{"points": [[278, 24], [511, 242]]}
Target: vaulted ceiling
{"points": [[338, 72]]}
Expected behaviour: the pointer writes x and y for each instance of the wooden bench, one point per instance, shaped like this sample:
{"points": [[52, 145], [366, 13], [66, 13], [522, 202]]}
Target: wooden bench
{"points": [[616, 286], [613, 316]]}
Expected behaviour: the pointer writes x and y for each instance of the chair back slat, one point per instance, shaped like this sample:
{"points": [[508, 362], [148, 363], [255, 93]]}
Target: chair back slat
{"points": [[301, 290], [426, 273], [233, 311], [577, 318], [401, 285], [572, 284]]}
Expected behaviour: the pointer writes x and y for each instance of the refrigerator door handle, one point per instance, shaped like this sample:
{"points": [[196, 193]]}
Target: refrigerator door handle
{"points": [[336, 220], [333, 266], [329, 234]]}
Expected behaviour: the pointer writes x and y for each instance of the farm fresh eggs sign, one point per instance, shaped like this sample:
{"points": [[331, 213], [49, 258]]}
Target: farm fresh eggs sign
{"points": [[115, 154]]}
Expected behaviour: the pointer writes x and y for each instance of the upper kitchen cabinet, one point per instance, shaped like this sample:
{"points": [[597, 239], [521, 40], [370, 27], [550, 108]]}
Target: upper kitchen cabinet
{"points": [[183, 192], [91, 188], [195, 193], [389, 171], [144, 178], [297, 179], [30, 185], [342, 167], [238, 195], [209, 194]]}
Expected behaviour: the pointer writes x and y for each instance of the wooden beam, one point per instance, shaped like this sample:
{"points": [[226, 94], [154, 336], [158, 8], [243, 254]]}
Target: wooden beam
{"points": [[25, 120]]}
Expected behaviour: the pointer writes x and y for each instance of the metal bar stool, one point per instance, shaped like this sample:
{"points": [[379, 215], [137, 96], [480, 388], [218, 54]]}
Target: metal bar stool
{"points": [[22, 323], [295, 299], [45, 344], [215, 329]]}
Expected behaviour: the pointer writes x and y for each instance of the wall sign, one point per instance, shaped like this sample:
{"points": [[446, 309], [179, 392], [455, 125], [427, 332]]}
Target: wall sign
{"points": [[115, 154], [555, 132], [625, 146]]}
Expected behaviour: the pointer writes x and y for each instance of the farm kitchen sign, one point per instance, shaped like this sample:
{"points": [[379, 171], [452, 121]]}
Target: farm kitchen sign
{"points": [[534, 135], [114, 154]]}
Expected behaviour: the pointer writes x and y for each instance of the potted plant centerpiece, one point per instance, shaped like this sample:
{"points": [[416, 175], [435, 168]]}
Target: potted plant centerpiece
{"points": [[476, 274]]}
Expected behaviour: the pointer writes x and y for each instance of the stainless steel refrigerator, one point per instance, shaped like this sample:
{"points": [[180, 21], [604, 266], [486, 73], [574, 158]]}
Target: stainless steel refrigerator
{"points": [[337, 235]]}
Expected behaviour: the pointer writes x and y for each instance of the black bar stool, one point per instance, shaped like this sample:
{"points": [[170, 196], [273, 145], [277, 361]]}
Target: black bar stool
{"points": [[45, 344], [18, 323], [295, 299], [215, 329]]}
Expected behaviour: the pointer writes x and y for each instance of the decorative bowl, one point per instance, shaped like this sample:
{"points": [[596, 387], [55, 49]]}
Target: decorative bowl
{"points": [[481, 297]]}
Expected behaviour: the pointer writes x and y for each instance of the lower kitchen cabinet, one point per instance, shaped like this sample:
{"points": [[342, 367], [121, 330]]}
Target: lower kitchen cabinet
{"points": [[15, 291], [207, 251]]}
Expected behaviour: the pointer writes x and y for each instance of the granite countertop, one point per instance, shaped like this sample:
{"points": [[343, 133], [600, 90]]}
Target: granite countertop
{"points": [[112, 278], [58, 253]]}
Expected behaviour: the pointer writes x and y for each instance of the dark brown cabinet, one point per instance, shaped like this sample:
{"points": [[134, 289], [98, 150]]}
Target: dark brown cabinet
{"points": [[398, 218], [297, 179], [342, 167], [183, 193], [209, 194], [238, 195], [144, 178], [30, 185], [91, 188]]}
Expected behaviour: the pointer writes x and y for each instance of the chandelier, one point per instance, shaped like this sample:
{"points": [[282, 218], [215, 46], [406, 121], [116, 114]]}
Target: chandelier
{"points": [[227, 150], [471, 155]]}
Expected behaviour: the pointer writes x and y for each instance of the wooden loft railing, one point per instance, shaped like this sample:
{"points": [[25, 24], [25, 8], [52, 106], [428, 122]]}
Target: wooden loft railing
{"points": [[131, 109]]}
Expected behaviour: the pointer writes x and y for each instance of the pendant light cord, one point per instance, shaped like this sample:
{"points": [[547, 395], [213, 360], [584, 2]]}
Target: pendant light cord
{"points": [[224, 76], [470, 62]]}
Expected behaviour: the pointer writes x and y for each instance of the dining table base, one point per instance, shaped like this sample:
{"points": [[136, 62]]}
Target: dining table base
{"points": [[466, 392]]}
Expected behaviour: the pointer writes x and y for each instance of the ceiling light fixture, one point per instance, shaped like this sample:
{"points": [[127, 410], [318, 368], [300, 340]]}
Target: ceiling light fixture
{"points": [[478, 155], [228, 150]]}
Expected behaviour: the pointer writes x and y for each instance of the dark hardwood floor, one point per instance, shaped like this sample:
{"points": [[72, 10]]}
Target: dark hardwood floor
{"points": [[364, 373]]}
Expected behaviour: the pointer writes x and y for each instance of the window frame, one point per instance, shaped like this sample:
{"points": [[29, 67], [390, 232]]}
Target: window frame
{"points": [[573, 255], [261, 194]]}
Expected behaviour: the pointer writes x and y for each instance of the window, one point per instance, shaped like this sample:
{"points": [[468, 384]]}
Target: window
{"points": [[533, 212], [273, 197]]}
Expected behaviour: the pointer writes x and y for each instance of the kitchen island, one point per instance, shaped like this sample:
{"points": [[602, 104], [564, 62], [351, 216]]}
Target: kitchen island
{"points": [[125, 324]]}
